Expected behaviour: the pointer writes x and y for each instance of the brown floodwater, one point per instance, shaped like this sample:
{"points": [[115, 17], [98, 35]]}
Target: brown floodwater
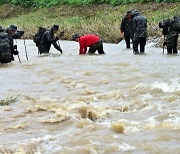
{"points": [[72, 104]]}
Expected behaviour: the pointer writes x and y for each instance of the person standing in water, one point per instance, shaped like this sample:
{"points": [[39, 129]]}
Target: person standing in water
{"points": [[49, 38], [126, 28], [140, 32]]}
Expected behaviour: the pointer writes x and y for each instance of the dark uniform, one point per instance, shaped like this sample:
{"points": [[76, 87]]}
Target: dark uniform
{"points": [[127, 28], [171, 35], [140, 32], [48, 38], [5, 52], [7, 48]]}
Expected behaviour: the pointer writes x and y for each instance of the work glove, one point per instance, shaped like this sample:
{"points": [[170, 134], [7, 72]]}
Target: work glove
{"points": [[22, 32], [57, 38], [15, 52], [165, 43]]}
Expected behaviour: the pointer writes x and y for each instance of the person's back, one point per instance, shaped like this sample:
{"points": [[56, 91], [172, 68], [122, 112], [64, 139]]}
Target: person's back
{"points": [[5, 51], [88, 40], [140, 26], [140, 32]]}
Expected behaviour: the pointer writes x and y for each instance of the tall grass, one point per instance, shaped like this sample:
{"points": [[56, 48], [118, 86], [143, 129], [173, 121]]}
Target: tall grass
{"points": [[48, 3], [103, 20]]}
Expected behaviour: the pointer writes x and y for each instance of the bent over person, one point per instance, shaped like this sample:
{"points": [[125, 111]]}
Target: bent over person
{"points": [[49, 38], [90, 40], [171, 30]]}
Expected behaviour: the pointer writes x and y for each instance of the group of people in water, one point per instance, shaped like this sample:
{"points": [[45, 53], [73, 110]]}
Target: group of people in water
{"points": [[133, 28]]}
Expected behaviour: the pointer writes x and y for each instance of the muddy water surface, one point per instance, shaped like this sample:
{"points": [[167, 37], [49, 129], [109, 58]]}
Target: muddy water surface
{"points": [[113, 103]]}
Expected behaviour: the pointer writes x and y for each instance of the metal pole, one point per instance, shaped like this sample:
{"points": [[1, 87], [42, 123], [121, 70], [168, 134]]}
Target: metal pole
{"points": [[163, 44], [19, 59]]}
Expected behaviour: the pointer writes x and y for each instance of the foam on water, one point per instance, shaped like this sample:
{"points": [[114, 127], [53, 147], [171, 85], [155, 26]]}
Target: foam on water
{"points": [[90, 104]]}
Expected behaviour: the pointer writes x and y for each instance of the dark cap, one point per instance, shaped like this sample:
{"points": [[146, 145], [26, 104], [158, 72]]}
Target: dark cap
{"points": [[55, 27], [13, 27], [129, 12], [75, 36], [1, 29]]}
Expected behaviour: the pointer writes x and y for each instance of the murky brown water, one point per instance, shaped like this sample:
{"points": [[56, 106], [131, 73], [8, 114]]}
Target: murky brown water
{"points": [[114, 103]]}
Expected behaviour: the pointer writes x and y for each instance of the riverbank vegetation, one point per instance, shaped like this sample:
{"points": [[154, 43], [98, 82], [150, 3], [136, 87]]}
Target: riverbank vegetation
{"points": [[101, 19], [8, 101], [49, 3]]}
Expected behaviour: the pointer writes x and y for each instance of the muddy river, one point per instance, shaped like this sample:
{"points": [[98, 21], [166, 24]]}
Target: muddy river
{"points": [[90, 104]]}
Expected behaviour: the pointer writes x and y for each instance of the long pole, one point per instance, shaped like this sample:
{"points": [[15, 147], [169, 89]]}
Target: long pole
{"points": [[25, 49], [163, 44], [19, 59]]}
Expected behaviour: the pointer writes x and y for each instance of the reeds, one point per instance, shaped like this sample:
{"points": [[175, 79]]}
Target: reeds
{"points": [[8, 101]]}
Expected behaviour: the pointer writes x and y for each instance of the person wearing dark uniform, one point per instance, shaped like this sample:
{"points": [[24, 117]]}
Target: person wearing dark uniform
{"points": [[90, 40], [140, 32], [49, 38], [5, 52], [126, 28], [13, 33], [170, 34]]}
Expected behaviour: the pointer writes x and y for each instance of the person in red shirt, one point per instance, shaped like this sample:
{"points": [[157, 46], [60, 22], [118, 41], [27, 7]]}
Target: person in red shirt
{"points": [[90, 40]]}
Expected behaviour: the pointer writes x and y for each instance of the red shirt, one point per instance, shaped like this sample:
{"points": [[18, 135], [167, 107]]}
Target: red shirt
{"points": [[86, 41]]}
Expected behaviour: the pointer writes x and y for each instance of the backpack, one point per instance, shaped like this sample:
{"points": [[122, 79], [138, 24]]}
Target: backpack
{"points": [[38, 36], [176, 23], [5, 50]]}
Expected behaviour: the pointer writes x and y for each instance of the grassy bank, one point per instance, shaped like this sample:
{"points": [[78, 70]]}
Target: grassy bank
{"points": [[49, 3], [103, 20]]}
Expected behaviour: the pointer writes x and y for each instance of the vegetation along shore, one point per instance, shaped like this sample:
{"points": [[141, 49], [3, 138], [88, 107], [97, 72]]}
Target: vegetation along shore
{"points": [[83, 17]]}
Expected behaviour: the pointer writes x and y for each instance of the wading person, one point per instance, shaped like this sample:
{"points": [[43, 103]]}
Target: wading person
{"points": [[49, 38], [170, 30], [5, 51], [13, 33], [126, 28], [90, 40], [140, 32]]}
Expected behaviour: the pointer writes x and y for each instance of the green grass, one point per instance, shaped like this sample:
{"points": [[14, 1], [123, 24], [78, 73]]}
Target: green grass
{"points": [[48, 3], [103, 20], [8, 101]]}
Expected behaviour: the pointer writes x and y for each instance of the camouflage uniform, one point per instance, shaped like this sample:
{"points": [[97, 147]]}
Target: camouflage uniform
{"points": [[140, 32], [5, 51], [171, 37], [11, 37]]}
